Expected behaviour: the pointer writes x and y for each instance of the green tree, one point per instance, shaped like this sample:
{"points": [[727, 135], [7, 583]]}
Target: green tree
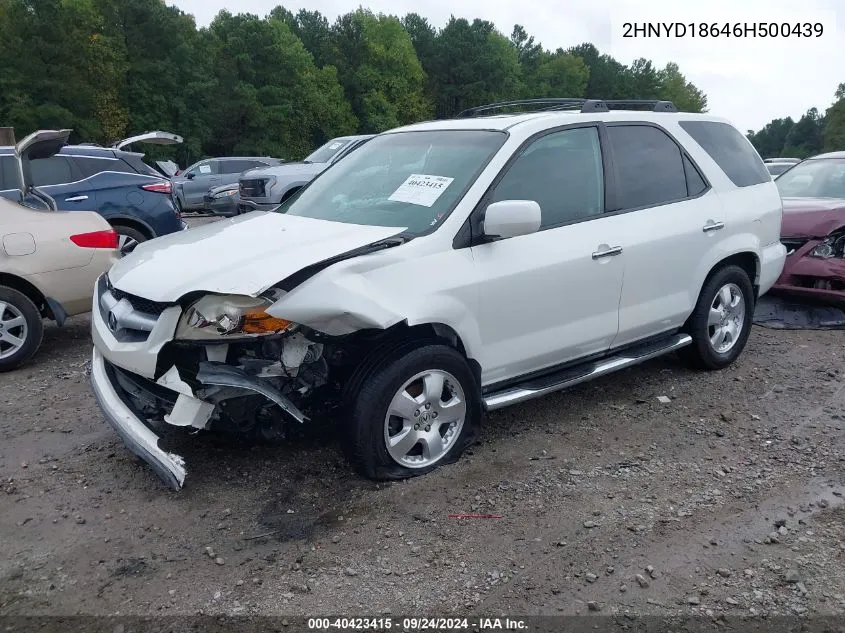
{"points": [[608, 78], [379, 69], [313, 28], [806, 136], [45, 52], [834, 130], [271, 97], [644, 80], [674, 87], [475, 65], [771, 139], [561, 75]]}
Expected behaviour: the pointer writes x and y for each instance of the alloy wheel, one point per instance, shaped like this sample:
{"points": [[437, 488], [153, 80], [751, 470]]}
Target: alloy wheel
{"points": [[726, 318], [424, 419], [13, 330]]}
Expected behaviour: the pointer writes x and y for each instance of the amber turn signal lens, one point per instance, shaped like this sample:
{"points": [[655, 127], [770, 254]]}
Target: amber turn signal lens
{"points": [[263, 323]]}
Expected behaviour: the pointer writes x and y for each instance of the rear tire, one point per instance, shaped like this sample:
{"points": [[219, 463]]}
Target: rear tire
{"points": [[721, 322], [21, 328], [128, 239], [386, 445]]}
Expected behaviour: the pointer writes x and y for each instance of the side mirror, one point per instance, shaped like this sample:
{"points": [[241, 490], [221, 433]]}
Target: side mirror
{"points": [[511, 218], [190, 175]]}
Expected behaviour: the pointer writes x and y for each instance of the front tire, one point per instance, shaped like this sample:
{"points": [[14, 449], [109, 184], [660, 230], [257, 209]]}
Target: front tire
{"points": [[721, 322], [21, 328], [413, 413]]}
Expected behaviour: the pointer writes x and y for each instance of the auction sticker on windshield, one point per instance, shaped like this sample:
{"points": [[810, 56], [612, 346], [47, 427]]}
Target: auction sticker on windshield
{"points": [[421, 189]]}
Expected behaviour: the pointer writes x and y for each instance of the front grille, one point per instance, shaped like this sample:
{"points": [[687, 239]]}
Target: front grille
{"points": [[253, 188], [154, 308], [793, 243]]}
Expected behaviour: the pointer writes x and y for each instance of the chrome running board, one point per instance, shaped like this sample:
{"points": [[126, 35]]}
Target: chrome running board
{"points": [[571, 376]]}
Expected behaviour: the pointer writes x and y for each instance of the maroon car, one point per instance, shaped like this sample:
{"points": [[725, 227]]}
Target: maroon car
{"points": [[813, 229]]}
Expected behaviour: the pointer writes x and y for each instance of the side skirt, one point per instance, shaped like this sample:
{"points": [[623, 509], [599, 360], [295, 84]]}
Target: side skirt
{"points": [[542, 385]]}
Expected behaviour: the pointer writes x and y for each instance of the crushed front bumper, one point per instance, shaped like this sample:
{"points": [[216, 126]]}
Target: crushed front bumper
{"points": [[137, 436], [812, 277]]}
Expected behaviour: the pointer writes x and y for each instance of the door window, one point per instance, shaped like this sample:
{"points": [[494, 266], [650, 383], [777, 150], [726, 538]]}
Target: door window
{"points": [[649, 166], [562, 172], [208, 168], [54, 170], [240, 166]]}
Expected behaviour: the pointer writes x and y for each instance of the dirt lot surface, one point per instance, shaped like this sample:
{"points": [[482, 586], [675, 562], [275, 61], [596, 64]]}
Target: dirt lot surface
{"points": [[727, 500]]}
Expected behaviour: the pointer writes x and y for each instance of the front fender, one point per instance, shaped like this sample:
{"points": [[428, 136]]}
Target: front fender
{"points": [[343, 304]]}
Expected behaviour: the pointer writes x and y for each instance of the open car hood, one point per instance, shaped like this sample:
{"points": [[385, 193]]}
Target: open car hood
{"points": [[155, 138]]}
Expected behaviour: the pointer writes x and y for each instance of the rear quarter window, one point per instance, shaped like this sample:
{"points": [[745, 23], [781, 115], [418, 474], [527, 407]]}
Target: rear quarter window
{"points": [[92, 165], [730, 150], [9, 178]]}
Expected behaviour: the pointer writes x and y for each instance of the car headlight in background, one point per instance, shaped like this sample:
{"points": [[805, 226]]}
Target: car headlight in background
{"points": [[226, 194], [220, 316], [832, 246]]}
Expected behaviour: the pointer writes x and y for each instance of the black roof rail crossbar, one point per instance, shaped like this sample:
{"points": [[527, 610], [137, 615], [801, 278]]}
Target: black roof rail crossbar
{"points": [[551, 103], [655, 104], [586, 105]]}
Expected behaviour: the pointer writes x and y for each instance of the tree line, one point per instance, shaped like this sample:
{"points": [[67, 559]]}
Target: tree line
{"points": [[282, 84], [812, 134]]}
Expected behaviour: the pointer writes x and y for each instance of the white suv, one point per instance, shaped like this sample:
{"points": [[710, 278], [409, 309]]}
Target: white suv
{"points": [[442, 270]]}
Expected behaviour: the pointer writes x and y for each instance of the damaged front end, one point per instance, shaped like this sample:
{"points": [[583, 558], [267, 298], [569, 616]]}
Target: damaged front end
{"points": [[815, 267], [223, 364]]}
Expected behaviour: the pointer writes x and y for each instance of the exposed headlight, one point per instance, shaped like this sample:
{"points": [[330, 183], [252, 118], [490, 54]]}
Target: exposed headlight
{"points": [[219, 316], [832, 246], [225, 194]]}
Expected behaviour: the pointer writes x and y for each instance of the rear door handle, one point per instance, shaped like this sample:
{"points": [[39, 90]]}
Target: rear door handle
{"points": [[713, 226], [76, 199], [607, 252]]}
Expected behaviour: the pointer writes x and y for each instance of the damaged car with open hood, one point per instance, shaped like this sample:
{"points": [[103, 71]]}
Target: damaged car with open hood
{"points": [[813, 229], [442, 270]]}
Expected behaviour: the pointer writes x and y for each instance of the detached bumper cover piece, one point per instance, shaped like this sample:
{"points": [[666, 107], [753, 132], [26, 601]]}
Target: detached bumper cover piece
{"points": [[135, 434]]}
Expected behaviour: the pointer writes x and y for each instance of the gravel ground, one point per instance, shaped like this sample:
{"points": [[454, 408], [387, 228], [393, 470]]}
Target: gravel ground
{"points": [[727, 500]]}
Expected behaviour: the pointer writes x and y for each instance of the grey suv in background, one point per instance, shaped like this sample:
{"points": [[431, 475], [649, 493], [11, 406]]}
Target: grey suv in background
{"points": [[265, 189], [190, 186]]}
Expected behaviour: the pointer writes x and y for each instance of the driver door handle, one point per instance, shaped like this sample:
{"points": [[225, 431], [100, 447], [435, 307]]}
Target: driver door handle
{"points": [[607, 252], [713, 226]]}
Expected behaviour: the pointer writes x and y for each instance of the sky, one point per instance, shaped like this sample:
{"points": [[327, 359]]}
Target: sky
{"points": [[747, 80]]}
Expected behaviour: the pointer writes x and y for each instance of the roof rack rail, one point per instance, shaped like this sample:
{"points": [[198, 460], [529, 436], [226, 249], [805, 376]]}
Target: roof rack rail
{"points": [[583, 105]]}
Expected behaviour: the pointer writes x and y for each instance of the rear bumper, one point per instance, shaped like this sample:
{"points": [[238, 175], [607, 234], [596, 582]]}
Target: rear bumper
{"points": [[138, 438], [771, 265]]}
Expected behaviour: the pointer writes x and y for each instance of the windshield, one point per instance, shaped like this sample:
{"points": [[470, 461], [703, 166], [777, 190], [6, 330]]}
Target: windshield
{"points": [[410, 180], [325, 153], [815, 178]]}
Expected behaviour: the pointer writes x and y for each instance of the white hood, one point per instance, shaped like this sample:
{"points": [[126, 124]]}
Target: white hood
{"points": [[243, 255]]}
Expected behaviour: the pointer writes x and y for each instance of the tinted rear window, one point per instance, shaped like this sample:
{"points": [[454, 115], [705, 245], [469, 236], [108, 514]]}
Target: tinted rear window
{"points": [[730, 150]]}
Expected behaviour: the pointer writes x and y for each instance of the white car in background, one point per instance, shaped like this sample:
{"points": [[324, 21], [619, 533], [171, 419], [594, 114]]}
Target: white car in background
{"points": [[49, 260], [441, 270]]}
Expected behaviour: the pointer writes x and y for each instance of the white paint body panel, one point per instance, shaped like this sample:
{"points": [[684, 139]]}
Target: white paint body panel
{"points": [[518, 305]]}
